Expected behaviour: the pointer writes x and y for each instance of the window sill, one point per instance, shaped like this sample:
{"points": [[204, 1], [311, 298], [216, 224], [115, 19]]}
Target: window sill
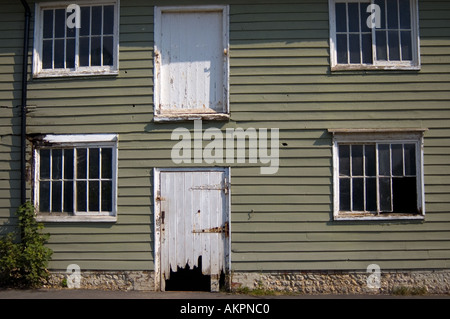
{"points": [[177, 117], [370, 216], [67, 74], [342, 67], [76, 219]]}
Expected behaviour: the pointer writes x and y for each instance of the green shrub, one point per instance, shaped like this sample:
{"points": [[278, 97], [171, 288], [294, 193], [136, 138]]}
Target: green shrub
{"points": [[24, 263]]}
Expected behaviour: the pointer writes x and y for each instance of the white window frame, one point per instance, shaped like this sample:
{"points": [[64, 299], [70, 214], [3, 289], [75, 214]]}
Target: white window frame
{"points": [[77, 141], [382, 136], [161, 115], [415, 64], [39, 72]]}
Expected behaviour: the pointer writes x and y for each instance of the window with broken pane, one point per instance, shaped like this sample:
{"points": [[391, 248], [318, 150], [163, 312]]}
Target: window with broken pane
{"points": [[378, 178], [76, 180]]}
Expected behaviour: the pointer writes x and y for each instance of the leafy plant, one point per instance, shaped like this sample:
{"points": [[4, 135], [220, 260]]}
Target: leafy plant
{"points": [[23, 263]]}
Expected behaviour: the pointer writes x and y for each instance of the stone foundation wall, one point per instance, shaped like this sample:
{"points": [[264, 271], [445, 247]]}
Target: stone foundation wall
{"points": [[334, 282], [320, 282], [117, 280]]}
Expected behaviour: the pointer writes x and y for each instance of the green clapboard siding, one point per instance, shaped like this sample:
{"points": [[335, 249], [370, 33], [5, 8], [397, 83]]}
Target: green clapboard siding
{"points": [[279, 78]]}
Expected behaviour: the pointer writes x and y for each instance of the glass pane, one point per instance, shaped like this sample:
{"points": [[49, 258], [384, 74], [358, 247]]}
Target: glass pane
{"points": [[96, 20], [44, 197], [108, 19], [60, 23], [81, 163], [371, 194], [96, 51], [56, 164], [404, 191], [397, 159], [59, 54], [94, 162], [85, 21], [353, 17], [106, 163], [385, 194], [56, 196], [93, 196], [106, 196], [394, 46], [405, 14], [47, 54], [355, 50], [48, 24], [108, 51], [357, 160], [381, 45], [70, 53], [367, 48], [70, 32], [84, 51], [341, 17], [344, 160], [358, 194], [384, 159], [44, 164], [381, 4], [406, 45], [68, 164], [392, 14], [410, 159], [68, 196], [344, 194], [370, 160], [341, 47], [365, 27], [81, 196]]}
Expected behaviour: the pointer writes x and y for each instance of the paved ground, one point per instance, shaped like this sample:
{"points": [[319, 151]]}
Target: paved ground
{"points": [[104, 294]]}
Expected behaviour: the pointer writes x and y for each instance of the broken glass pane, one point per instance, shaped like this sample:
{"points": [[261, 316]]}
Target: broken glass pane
{"points": [[404, 195]]}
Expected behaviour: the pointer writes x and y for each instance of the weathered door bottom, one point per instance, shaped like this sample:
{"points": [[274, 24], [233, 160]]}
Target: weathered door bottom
{"points": [[192, 230]]}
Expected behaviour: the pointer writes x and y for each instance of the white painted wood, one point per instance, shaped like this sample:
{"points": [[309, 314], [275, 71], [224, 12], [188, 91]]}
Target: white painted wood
{"points": [[195, 207], [191, 60]]}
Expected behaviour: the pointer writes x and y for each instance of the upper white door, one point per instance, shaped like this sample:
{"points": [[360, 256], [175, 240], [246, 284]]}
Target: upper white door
{"points": [[191, 60]]}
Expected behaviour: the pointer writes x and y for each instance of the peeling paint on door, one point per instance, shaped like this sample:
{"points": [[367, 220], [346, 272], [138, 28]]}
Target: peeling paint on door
{"points": [[192, 222]]}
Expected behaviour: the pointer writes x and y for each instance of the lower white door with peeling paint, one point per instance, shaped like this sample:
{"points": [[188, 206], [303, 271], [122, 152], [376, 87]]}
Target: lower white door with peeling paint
{"points": [[191, 221]]}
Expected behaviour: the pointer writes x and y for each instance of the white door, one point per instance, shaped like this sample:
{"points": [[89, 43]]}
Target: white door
{"points": [[191, 222], [191, 64]]}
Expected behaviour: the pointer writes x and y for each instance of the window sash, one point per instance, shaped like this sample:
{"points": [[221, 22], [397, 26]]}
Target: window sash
{"points": [[108, 42], [336, 38], [63, 181], [377, 176]]}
